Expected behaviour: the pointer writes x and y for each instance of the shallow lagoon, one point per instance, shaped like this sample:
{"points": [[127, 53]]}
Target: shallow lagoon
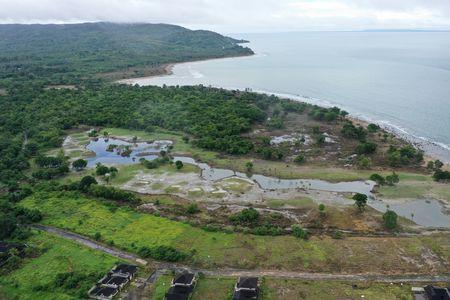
{"points": [[425, 212]]}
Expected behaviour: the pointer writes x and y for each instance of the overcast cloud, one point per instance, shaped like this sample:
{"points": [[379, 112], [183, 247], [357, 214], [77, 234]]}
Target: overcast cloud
{"points": [[238, 15]]}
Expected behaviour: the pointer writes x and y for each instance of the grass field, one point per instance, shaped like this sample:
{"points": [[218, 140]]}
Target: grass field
{"points": [[221, 288], [418, 188], [131, 230], [59, 256]]}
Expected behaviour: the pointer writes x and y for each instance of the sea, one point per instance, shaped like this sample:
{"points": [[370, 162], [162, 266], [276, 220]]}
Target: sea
{"points": [[397, 79]]}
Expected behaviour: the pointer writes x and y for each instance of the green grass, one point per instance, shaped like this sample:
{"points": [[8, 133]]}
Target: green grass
{"points": [[417, 189], [286, 289], [161, 286], [236, 185], [59, 256], [130, 230], [303, 202]]}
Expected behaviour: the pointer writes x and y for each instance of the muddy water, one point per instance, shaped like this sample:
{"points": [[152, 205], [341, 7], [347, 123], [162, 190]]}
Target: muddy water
{"points": [[273, 183]]}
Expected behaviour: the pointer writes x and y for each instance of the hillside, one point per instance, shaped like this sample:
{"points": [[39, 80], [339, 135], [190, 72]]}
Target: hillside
{"points": [[66, 53]]}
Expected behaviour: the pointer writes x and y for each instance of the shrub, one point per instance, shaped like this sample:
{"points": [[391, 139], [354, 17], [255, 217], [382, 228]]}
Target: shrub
{"points": [[390, 219], [392, 179], [79, 164], [366, 148], [351, 131], [373, 127], [179, 164], [360, 201], [300, 159], [112, 193], [192, 209], [268, 230], [299, 232], [165, 253], [97, 236], [86, 182], [248, 215], [380, 180], [440, 175]]}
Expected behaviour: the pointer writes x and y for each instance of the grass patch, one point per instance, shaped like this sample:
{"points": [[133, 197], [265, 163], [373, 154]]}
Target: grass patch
{"points": [[131, 230], [288, 289], [219, 288], [236, 185], [303, 202], [59, 256], [161, 286]]}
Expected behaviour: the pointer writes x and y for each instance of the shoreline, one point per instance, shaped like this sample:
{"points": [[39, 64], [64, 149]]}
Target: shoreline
{"points": [[431, 149]]}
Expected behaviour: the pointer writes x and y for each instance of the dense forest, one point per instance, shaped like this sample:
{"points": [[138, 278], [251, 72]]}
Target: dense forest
{"points": [[62, 54]]}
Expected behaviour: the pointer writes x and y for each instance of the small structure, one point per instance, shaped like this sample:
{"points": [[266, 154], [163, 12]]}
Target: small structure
{"points": [[431, 293], [110, 285], [5, 249], [182, 287], [246, 288]]}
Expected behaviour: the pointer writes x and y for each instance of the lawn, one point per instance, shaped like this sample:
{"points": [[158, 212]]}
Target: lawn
{"points": [[416, 188], [131, 230], [59, 256]]}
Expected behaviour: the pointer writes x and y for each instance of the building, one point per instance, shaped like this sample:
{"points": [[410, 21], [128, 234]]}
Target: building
{"points": [[110, 285], [246, 288], [182, 287], [431, 293]]}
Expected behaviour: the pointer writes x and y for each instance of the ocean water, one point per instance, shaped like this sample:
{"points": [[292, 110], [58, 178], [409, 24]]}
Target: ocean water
{"points": [[400, 80]]}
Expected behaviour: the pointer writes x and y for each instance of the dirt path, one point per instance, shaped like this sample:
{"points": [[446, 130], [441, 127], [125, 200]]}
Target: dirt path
{"points": [[164, 268]]}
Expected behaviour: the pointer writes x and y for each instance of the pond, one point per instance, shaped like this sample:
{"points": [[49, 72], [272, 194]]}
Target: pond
{"points": [[116, 151]]}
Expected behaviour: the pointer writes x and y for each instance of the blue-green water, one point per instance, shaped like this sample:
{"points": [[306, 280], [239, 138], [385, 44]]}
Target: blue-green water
{"points": [[401, 80]]}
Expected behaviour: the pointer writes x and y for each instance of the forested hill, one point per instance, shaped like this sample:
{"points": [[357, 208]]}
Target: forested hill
{"points": [[72, 52]]}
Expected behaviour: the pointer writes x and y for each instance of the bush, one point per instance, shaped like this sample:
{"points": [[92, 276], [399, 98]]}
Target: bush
{"points": [[380, 180], [390, 219], [79, 164], [179, 164], [300, 159], [366, 148], [299, 232], [392, 179], [86, 182], [440, 175], [97, 236], [165, 253], [351, 131], [112, 193], [373, 127], [360, 201], [268, 230], [248, 215], [192, 209]]}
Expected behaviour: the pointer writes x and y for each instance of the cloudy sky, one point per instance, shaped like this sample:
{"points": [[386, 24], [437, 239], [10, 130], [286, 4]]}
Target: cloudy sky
{"points": [[230, 16]]}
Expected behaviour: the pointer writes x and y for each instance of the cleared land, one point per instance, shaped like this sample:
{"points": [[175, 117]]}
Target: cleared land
{"points": [[221, 288], [131, 230]]}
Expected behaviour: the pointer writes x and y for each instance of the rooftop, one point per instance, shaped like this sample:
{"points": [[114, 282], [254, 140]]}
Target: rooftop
{"points": [[247, 283], [184, 279]]}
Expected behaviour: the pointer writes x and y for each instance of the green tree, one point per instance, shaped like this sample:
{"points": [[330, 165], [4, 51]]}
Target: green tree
{"points": [[86, 182], [179, 164], [392, 179], [299, 232], [79, 164], [390, 219], [380, 180], [249, 166], [360, 201]]}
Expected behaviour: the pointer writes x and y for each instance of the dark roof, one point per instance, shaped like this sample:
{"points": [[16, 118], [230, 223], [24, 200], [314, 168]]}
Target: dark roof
{"points": [[117, 280], [245, 294], [5, 247], [125, 269], [247, 283], [437, 293], [183, 278], [104, 291], [176, 297]]}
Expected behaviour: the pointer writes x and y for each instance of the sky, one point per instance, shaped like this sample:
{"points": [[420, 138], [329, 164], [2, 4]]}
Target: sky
{"points": [[237, 16]]}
